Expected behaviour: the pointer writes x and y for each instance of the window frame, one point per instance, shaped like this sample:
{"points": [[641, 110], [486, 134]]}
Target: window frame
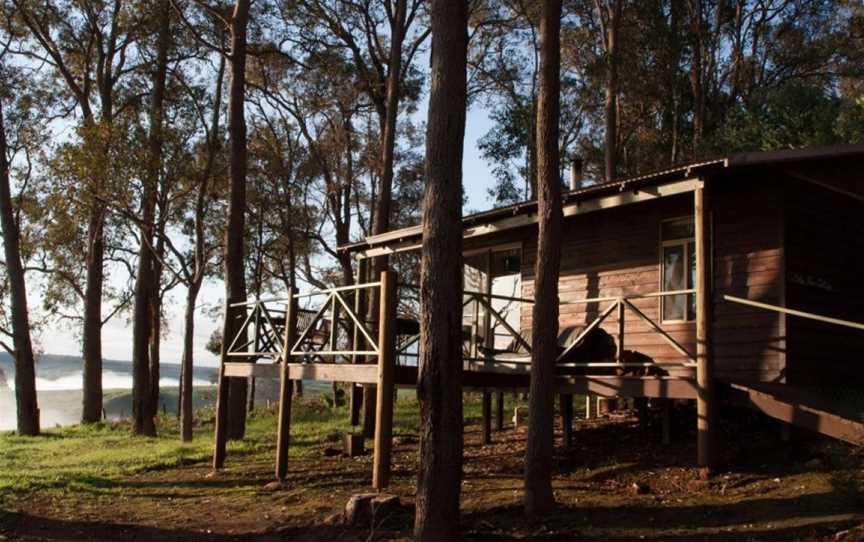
{"points": [[687, 243]]}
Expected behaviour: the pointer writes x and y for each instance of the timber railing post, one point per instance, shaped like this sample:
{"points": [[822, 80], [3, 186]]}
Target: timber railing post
{"points": [[286, 388], [386, 369], [620, 331], [705, 402]]}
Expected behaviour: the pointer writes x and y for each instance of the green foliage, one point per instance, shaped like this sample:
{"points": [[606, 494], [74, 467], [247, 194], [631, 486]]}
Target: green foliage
{"points": [[791, 116], [774, 74]]}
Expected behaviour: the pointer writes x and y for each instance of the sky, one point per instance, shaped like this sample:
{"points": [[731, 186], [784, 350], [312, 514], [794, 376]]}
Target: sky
{"points": [[117, 333]]}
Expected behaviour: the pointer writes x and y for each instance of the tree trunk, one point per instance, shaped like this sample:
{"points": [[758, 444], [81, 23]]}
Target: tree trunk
{"points": [[25, 369], [381, 218], [538, 456], [155, 335], [143, 405], [672, 110], [614, 8], [92, 328], [186, 408], [532, 151], [186, 405], [235, 280], [696, 73], [439, 378]]}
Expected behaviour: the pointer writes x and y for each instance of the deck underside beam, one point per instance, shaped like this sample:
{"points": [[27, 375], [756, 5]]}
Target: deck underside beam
{"points": [[791, 410], [406, 377]]}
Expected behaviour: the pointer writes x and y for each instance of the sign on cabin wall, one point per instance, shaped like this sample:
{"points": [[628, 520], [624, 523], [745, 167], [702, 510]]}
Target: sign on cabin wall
{"points": [[810, 281]]}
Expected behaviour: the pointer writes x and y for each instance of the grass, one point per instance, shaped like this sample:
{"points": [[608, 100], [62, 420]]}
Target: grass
{"points": [[75, 458]]}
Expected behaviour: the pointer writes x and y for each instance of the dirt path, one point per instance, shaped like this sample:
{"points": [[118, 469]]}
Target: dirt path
{"points": [[616, 483]]}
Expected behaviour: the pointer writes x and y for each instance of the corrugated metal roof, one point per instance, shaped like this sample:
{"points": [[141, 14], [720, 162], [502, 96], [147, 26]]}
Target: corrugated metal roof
{"points": [[748, 159]]}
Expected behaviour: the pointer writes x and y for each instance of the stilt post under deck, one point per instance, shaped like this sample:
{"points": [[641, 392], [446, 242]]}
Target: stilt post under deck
{"points": [[705, 402], [286, 389], [487, 417], [499, 411], [567, 418], [386, 365], [667, 421]]}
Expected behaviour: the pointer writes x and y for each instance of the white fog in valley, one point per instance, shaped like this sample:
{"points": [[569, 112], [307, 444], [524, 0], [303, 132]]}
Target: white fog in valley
{"points": [[59, 380]]}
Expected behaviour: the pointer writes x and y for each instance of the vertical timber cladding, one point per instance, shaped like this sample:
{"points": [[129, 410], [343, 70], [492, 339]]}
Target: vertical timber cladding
{"points": [[825, 267], [613, 253]]}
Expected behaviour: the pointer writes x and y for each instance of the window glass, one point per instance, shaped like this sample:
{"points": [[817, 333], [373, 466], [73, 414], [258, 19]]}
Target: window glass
{"points": [[677, 229], [673, 279], [678, 268], [691, 280]]}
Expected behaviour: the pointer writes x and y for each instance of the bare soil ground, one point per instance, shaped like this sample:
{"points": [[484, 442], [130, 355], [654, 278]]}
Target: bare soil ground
{"points": [[617, 482]]}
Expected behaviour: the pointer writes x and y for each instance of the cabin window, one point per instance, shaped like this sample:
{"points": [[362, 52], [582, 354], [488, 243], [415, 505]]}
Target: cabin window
{"points": [[678, 270], [495, 271]]}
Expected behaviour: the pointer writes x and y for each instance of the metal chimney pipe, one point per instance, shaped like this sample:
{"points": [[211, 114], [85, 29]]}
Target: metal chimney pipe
{"points": [[576, 173]]}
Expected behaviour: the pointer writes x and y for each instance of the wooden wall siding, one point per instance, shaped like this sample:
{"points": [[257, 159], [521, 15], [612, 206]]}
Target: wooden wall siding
{"points": [[617, 253], [825, 275]]}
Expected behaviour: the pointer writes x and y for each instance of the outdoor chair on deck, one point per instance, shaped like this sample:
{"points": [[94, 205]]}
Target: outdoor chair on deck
{"points": [[596, 346]]}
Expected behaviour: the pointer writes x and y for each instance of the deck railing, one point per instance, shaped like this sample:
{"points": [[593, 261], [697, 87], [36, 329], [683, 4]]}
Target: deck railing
{"points": [[622, 304], [318, 334], [793, 312], [318, 330]]}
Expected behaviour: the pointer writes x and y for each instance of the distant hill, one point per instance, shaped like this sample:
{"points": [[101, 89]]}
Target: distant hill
{"points": [[59, 372]]}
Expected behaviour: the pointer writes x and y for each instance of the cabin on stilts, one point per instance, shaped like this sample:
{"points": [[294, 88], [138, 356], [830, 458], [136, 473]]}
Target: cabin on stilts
{"points": [[735, 280]]}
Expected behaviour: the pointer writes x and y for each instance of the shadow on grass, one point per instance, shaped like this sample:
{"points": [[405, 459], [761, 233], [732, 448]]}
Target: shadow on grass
{"points": [[18, 526]]}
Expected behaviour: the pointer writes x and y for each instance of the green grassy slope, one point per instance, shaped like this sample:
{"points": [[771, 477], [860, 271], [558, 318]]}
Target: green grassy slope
{"points": [[78, 458]]}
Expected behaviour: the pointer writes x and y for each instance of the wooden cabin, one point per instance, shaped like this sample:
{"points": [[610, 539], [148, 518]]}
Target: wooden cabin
{"points": [[785, 229], [735, 279]]}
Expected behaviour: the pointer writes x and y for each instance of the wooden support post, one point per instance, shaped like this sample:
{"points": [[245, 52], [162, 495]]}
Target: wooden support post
{"points": [[487, 417], [567, 418], [590, 407], [667, 421], [641, 404], [499, 411], [620, 331], [286, 389], [386, 368], [705, 402], [785, 432]]}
